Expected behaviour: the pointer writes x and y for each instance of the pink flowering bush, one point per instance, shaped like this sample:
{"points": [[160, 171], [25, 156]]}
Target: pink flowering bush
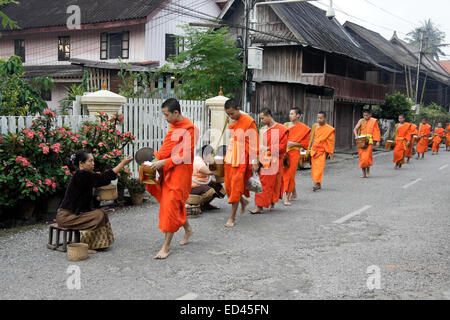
{"points": [[34, 162]]}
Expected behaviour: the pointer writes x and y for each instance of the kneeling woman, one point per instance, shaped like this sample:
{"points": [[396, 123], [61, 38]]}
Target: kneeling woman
{"points": [[75, 211]]}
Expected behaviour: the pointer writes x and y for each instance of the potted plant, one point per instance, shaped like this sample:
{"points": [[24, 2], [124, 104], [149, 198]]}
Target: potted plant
{"points": [[136, 190]]}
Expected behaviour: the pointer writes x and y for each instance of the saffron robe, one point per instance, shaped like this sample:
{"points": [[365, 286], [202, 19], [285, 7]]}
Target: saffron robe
{"points": [[242, 150], [298, 134], [174, 185], [365, 155], [402, 137], [422, 145], [409, 149], [275, 140], [324, 140], [437, 139], [447, 135]]}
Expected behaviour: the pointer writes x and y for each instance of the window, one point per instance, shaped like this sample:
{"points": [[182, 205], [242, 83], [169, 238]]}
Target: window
{"points": [[64, 48], [171, 45], [19, 48], [114, 45]]}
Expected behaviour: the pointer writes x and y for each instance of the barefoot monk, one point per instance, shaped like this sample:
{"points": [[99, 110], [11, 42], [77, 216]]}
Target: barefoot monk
{"points": [[175, 161], [437, 138], [241, 159], [424, 132], [272, 152], [368, 127], [402, 141], [298, 139], [322, 147]]}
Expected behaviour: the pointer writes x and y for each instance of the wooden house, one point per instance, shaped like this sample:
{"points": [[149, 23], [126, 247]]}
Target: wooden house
{"points": [[396, 54], [310, 62]]}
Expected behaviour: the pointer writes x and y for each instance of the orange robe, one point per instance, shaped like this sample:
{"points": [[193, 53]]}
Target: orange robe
{"points": [[242, 150], [324, 140], [365, 155], [298, 134], [409, 149], [447, 135], [402, 137], [174, 185], [275, 139], [422, 145], [437, 139]]}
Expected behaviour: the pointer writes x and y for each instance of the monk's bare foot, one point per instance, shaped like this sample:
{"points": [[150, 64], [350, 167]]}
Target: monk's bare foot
{"points": [[188, 233], [230, 224], [163, 254], [92, 252], [287, 203], [368, 173], [257, 211], [317, 187], [363, 176], [272, 207], [244, 204]]}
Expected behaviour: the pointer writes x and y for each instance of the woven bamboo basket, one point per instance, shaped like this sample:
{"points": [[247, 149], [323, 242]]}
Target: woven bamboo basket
{"points": [[77, 251], [107, 193]]}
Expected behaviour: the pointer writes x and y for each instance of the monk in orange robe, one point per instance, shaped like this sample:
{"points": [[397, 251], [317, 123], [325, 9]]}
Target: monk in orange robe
{"points": [[438, 135], [367, 126], [175, 161], [241, 159], [402, 141], [409, 151], [323, 146], [447, 137], [298, 140], [424, 132], [272, 151]]}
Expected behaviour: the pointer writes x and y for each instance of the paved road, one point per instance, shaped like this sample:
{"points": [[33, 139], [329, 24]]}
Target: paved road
{"points": [[321, 248]]}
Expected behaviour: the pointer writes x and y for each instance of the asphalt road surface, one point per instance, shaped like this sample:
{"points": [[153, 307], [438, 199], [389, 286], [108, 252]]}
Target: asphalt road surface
{"points": [[386, 237]]}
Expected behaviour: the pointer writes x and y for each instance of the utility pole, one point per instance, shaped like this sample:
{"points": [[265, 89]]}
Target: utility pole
{"points": [[247, 7], [419, 63]]}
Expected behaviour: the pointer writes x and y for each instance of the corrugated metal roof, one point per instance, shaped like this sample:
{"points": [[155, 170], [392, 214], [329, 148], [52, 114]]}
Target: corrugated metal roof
{"points": [[381, 49], [46, 13], [311, 26], [429, 64]]}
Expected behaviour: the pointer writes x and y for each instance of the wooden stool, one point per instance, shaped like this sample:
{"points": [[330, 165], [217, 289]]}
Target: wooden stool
{"points": [[67, 236]]}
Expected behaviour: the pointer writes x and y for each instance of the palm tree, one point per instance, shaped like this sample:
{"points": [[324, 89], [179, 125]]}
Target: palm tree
{"points": [[433, 39]]}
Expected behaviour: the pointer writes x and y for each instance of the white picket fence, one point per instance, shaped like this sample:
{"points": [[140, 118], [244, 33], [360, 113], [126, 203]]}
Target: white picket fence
{"points": [[142, 117]]}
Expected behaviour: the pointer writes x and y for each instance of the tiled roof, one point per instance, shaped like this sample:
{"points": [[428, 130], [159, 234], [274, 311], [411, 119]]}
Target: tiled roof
{"points": [[50, 13]]}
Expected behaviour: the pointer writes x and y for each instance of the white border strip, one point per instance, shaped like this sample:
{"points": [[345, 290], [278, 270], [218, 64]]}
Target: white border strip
{"points": [[353, 214], [411, 183]]}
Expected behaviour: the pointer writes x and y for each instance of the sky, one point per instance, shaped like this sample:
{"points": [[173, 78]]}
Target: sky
{"points": [[385, 16]]}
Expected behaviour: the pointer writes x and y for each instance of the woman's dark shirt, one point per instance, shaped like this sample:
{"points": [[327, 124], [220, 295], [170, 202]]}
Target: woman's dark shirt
{"points": [[80, 191]]}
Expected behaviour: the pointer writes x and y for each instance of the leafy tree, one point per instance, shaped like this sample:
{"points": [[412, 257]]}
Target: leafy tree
{"points": [[395, 105], [4, 19], [208, 62], [434, 114], [17, 96], [433, 39]]}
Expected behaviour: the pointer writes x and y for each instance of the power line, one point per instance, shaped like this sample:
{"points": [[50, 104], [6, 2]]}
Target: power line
{"points": [[390, 13]]}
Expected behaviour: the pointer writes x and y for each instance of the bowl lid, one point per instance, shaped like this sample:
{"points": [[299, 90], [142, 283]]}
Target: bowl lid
{"points": [[144, 154]]}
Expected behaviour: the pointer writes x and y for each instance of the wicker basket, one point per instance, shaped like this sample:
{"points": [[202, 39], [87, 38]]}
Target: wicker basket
{"points": [[107, 193], [77, 251]]}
